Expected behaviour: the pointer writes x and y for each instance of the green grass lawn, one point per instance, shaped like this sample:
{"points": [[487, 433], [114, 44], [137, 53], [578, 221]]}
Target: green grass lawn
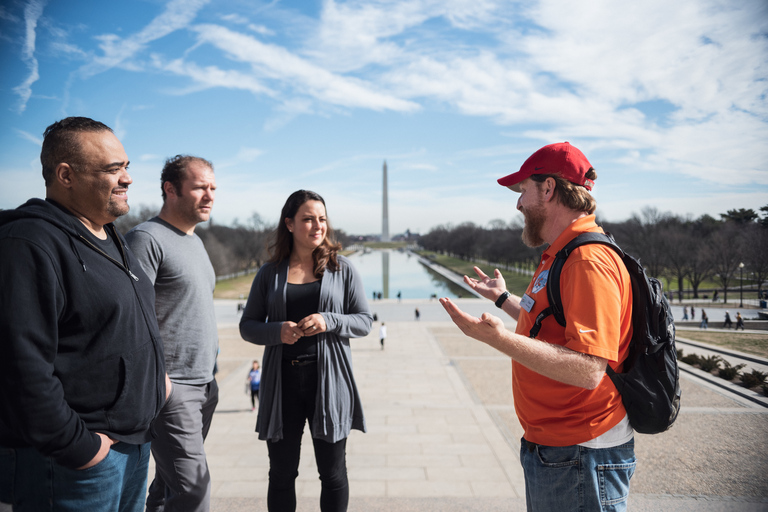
{"points": [[233, 288], [748, 343]]}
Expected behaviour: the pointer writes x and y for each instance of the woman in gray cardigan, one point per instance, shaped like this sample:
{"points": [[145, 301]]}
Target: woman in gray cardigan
{"points": [[304, 305]]}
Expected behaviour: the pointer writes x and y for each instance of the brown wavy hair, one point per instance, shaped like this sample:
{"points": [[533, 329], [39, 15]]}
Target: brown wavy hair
{"points": [[571, 195], [324, 256]]}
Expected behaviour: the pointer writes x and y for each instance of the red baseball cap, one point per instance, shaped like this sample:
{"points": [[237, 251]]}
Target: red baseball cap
{"points": [[562, 159]]}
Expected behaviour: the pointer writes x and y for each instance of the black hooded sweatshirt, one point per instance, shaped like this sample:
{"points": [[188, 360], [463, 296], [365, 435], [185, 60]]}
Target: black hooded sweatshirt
{"points": [[80, 349]]}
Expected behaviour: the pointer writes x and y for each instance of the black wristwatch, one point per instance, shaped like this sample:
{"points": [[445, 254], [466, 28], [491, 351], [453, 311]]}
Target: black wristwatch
{"points": [[500, 301]]}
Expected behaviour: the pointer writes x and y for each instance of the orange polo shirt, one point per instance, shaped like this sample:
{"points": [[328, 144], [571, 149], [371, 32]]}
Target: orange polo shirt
{"points": [[597, 301]]}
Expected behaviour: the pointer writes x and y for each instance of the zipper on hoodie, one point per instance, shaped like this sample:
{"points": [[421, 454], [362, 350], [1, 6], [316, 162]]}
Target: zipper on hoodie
{"points": [[127, 270], [123, 265]]}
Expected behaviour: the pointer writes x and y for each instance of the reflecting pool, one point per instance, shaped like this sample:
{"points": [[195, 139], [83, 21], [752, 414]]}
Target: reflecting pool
{"points": [[390, 272]]}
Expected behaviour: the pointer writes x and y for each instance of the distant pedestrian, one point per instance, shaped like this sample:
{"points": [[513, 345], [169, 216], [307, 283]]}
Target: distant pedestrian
{"points": [[382, 334], [685, 313], [399, 296], [416, 314], [254, 379], [693, 313], [739, 321], [715, 296], [704, 319], [727, 322]]}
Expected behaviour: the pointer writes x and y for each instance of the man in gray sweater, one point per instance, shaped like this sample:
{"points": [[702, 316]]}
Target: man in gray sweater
{"points": [[175, 260]]}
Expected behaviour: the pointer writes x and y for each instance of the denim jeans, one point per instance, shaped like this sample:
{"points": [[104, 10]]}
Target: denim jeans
{"points": [[576, 478], [299, 392], [32, 482]]}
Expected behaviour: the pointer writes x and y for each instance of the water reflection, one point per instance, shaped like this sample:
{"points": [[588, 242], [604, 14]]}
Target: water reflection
{"points": [[390, 272]]}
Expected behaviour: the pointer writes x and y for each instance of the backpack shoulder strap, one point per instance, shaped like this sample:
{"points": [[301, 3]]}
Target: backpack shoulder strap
{"points": [[553, 280]]}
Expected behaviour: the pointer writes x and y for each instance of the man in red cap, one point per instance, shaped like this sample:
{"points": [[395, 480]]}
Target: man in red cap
{"points": [[577, 450]]}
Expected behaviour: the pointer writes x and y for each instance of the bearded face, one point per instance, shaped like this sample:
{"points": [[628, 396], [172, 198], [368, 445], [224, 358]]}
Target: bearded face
{"points": [[535, 218]]}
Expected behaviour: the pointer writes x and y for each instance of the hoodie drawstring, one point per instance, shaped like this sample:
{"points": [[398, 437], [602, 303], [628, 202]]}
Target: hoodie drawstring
{"points": [[77, 253]]}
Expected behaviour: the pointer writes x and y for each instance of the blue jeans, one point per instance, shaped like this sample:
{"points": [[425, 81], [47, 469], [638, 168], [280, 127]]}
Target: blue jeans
{"points": [[578, 479], [32, 482]]}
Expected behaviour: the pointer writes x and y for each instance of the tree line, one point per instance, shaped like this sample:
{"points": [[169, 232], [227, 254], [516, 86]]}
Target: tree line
{"points": [[687, 252]]}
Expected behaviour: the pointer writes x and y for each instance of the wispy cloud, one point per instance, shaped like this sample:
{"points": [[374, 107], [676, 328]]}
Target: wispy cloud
{"points": [[31, 138], [293, 73], [206, 77], [116, 51], [32, 12], [244, 156]]}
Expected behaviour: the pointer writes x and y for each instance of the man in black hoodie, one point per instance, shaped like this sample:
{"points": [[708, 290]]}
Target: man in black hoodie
{"points": [[81, 360]]}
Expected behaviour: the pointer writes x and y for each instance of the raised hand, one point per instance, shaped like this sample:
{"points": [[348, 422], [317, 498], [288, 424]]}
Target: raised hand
{"points": [[487, 287]]}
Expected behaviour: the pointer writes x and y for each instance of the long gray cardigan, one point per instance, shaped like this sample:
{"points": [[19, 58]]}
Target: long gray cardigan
{"points": [[344, 308]]}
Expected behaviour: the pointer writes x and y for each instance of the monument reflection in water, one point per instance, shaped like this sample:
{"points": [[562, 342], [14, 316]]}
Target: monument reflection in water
{"points": [[390, 271]]}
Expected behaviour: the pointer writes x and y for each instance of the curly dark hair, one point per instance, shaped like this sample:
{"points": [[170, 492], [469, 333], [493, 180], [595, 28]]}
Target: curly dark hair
{"points": [[61, 144], [175, 170], [324, 256]]}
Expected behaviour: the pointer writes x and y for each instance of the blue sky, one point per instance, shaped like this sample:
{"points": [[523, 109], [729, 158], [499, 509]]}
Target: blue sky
{"points": [[666, 99]]}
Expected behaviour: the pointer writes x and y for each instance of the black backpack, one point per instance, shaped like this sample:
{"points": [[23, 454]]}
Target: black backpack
{"points": [[650, 384]]}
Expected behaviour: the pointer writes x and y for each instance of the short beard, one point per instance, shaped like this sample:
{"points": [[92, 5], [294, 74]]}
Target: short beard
{"points": [[117, 210], [535, 218]]}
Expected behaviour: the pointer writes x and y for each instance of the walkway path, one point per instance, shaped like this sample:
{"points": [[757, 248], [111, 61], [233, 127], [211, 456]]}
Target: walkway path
{"points": [[443, 436]]}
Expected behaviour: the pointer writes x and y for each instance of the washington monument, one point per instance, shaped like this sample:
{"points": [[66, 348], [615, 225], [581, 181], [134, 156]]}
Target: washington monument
{"points": [[384, 208]]}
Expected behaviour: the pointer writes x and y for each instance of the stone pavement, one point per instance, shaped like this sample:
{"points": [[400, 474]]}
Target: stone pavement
{"points": [[443, 435]]}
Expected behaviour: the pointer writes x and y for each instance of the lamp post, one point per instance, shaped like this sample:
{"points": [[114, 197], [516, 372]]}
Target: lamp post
{"points": [[741, 285]]}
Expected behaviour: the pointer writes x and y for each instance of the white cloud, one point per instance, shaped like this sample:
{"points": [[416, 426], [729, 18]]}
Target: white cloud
{"points": [[28, 136], [235, 18], [32, 12], [295, 73], [116, 51], [244, 156], [212, 76], [260, 29]]}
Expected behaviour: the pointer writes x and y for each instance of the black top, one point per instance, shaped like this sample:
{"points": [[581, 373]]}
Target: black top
{"points": [[302, 300]]}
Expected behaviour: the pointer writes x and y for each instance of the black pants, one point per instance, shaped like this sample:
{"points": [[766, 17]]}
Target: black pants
{"points": [[299, 391]]}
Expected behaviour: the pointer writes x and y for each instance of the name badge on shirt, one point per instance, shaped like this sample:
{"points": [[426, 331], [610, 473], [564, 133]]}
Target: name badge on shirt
{"points": [[527, 303]]}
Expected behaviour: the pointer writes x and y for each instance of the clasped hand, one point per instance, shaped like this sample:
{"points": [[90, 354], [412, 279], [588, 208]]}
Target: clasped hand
{"points": [[291, 332]]}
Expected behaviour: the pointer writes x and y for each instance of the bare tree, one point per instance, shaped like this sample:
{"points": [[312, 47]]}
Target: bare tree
{"points": [[678, 242], [725, 255], [136, 216], [755, 252]]}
